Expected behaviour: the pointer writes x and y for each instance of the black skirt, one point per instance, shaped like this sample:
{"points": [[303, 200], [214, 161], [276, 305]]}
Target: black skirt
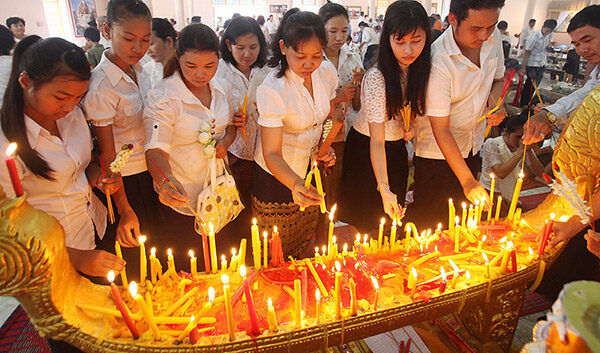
{"points": [[360, 203]]}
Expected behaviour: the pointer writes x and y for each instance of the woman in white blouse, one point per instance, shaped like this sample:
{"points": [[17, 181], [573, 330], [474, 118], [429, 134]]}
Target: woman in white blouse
{"points": [[162, 47], [293, 101], [243, 57], [54, 150], [350, 72], [187, 100], [375, 172]]}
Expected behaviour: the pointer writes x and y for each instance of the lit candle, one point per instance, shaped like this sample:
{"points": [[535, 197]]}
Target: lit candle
{"points": [[380, 238], [376, 286], [153, 269], [146, 312], [444, 280], [498, 206], [353, 299], [334, 251], [123, 273], [345, 250], [393, 235], [456, 237], [265, 250], [297, 305], [187, 329], [480, 243], [455, 275], [517, 217], [12, 169], [530, 257], [464, 215], [255, 245], [121, 306], [272, 317], [206, 308], [412, 282], [492, 187], [407, 241], [312, 270], [451, 215], [470, 216], [505, 257], [468, 277], [515, 199], [513, 260], [242, 255], [228, 308], [233, 262], [318, 301], [249, 303], [330, 231], [143, 260], [213, 247], [317, 174], [476, 214], [223, 264], [307, 184], [170, 261], [193, 264], [487, 265], [337, 291]]}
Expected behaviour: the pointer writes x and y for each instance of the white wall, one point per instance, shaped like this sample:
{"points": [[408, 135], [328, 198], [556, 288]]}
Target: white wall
{"points": [[32, 11]]}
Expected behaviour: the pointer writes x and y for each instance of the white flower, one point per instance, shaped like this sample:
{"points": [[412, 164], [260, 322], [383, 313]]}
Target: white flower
{"points": [[205, 127], [204, 138], [209, 151]]}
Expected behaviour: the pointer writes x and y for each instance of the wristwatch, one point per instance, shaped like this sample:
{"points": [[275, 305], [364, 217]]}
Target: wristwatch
{"points": [[552, 118]]}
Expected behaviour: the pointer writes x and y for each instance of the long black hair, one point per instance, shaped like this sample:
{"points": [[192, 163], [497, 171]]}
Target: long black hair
{"points": [[163, 29], [195, 36], [120, 10], [240, 26], [401, 18], [331, 10], [296, 28], [42, 60]]}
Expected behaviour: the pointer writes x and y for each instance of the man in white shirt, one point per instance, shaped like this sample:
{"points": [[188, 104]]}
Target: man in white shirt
{"points": [[271, 26], [369, 37], [466, 81], [585, 35], [534, 60], [525, 33]]}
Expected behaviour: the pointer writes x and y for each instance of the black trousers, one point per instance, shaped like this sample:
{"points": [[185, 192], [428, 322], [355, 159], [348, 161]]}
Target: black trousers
{"points": [[435, 183]]}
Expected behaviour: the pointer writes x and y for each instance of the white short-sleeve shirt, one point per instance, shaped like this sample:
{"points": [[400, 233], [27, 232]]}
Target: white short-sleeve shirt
{"points": [[563, 107], [459, 89], [537, 44], [68, 197], [113, 98], [240, 85], [285, 102], [172, 120]]}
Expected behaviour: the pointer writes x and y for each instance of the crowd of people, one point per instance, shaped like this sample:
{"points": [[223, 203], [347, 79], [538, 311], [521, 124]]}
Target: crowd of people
{"points": [[416, 104]]}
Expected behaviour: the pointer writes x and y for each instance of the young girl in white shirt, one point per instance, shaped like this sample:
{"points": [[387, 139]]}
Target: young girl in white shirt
{"points": [[176, 109], [162, 47], [41, 114], [243, 57], [293, 102], [375, 171], [114, 105]]}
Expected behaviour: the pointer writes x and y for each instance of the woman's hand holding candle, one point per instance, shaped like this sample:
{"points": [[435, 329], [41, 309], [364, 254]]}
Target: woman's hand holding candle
{"points": [[305, 197]]}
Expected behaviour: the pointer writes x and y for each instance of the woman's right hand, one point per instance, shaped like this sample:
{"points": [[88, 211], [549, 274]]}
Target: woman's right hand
{"points": [[390, 202], [347, 92], [172, 197], [95, 263], [304, 197]]}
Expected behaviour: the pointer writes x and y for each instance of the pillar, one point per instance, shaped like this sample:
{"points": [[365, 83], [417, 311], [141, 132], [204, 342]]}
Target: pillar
{"points": [[179, 14], [427, 6], [373, 9]]}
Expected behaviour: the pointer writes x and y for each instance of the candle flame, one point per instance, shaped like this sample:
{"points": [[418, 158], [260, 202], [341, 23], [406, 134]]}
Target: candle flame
{"points": [[521, 174], [464, 205], [345, 248], [274, 229], [563, 218], [223, 258], [375, 283], [111, 276], [443, 272], [191, 253], [504, 239], [439, 227], [450, 201], [12, 148], [169, 252], [436, 248], [211, 228], [233, 252], [324, 249], [414, 273], [142, 239], [394, 223], [225, 279], [530, 251], [509, 244], [318, 295], [492, 175], [358, 237], [332, 212], [316, 250], [334, 239], [211, 294], [552, 215], [366, 238], [315, 164], [338, 267], [270, 302], [485, 258], [265, 235], [254, 221], [243, 271], [457, 220], [483, 239], [456, 269], [192, 318], [468, 275], [153, 251], [382, 221], [133, 289]]}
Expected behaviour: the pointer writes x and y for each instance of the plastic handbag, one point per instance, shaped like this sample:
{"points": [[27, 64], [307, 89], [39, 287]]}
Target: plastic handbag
{"points": [[219, 202]]}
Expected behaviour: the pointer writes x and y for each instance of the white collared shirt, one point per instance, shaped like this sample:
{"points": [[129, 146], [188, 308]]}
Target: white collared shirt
{"points": [[563, 107], [240, 85], [459, 89], [68, 197], [347, 62], [5, 67], [172, 119], [113, 98], [537, 44], [153, 70], [285, 102]]}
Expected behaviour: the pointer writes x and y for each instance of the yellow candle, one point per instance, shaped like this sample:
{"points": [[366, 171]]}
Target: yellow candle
{"points": [[498, 206], [297, 304], [143, 260], [318, 301], [228, 308], [334, 248], [307, 184], [505, 256], [470, 216], [206, 308], [487, 265], [517, 217], [153, 269], [464, 214], [265, 250], [120, 255], [312, 270], [353, 301], [193, 264], [187, 329], [170, 261], [493, 177], [451, 215], [146, 312], [376, 286], [380, 238], [456, 237], [330, 233], [233, 262], [272, 317], [242, 255], [223, 264], [468, 277], [213, 247], [337, 291], [317, 173], [393, 235], [455, 275], [412, 282], [255, 245], [480, 243], [515, 198]]}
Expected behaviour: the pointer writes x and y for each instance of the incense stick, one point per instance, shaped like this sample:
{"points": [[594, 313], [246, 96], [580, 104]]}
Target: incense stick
{"points": [[109, 206]]}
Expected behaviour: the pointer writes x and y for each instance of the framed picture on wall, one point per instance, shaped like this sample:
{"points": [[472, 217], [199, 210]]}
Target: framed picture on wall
{"points": [[279, 9], [82, 12], [354, 12], [246, 2]]}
